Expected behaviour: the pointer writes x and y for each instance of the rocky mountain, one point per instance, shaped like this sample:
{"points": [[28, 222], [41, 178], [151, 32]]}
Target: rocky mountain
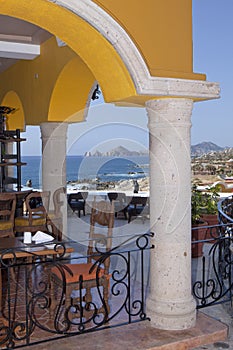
{"points": [[117, 152], [205, 148]]}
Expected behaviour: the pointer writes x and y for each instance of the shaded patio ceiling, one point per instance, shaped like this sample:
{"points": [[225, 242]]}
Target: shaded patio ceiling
{"points": [[19, 40]]}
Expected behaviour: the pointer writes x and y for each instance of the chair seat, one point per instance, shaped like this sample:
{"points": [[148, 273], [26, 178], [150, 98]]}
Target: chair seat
{"points": [[76, 270], [24, 220], [135, 211], [77, 205], [5, 225]]}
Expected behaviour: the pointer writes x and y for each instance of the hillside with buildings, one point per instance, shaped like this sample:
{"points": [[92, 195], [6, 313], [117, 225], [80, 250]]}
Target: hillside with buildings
{"points": [[215, 163]]}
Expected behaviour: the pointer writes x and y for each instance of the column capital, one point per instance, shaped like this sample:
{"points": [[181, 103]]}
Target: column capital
{"points": [[52, 130], [177, 111]]}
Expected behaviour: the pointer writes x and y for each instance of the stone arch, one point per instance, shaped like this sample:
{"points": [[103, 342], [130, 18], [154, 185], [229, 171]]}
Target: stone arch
{"points": [[15, 120], [97, 52], [147, 86], [115, 34], [107, 50]]}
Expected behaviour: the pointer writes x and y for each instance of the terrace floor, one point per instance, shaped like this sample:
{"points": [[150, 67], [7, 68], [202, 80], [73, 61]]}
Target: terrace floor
{"points": [[211, 327], [142, 336]]}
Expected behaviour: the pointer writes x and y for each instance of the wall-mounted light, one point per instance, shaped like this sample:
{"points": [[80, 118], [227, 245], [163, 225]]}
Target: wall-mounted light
{"points": [[96, 93]]}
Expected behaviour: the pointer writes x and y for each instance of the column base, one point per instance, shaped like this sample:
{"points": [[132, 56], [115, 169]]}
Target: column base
{"points": [[172, 315]]}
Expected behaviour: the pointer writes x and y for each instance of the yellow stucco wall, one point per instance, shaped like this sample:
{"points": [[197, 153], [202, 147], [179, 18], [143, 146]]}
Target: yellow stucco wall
{"points": [[70, 92], [50, 88], [162, 31]]}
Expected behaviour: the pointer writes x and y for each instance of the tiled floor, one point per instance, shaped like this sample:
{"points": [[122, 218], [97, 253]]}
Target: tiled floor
{"points": [[142, 336], [79, 228]]}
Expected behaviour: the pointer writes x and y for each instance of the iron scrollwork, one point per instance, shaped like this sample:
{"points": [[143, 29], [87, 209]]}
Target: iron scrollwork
{"points": [[215, 282], [46, 314]]}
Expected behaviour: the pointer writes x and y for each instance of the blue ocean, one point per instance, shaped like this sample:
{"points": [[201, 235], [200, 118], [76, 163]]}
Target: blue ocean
{"points": [[82, 168]]}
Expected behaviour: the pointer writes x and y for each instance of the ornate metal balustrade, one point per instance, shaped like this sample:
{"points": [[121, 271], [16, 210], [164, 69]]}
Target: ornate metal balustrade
{"points": [[212, 272], [225, 210], [27, 295]]}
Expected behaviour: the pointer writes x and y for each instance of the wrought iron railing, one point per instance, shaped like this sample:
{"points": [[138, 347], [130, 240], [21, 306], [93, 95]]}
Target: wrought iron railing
{"points": [[212, 263], [34, 312], [225, 210], [212, 270]]}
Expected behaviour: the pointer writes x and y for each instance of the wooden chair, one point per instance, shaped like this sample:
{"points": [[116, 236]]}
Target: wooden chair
{"points": [[87, 275], [7, 217], [77, 202], [35, 219], [7, 214], [54, 217]]}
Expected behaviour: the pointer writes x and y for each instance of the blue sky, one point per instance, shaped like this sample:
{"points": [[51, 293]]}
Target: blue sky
{"points": [[211, 120], [213, 55]]}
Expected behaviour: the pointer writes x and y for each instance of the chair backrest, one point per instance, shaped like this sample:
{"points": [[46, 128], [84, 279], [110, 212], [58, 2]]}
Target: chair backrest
{"points": [[77, 196], [58, 200], [112, 196], [102, 214], [37, 203], [7, 207], [120, 200], [117, 196]]}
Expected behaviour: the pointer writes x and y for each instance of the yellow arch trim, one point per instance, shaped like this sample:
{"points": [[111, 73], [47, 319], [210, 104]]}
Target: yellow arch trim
{"points": [[15, 120], [99, 55]]}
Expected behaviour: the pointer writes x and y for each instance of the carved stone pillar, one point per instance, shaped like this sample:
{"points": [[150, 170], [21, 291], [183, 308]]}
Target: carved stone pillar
{"points": [[170, 305], [54, 137]]}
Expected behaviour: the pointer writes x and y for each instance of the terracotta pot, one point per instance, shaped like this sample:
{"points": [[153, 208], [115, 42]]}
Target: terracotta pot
{"points": [[211, 219], [198, 235]]}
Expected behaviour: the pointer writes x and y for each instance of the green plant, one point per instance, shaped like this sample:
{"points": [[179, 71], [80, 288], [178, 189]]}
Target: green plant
{"points": [[210, 201], [196, 204], [204, 203]]}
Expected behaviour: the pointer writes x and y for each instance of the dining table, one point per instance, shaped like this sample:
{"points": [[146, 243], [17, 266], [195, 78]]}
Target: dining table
{"points": [[12, 249]]}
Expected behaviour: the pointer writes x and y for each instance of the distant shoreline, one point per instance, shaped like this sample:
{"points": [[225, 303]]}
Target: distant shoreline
{"points": [[121, 185], [82, 169]]}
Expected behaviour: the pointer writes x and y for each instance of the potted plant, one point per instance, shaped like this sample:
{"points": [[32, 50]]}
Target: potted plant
{"points": [[204, 213], [199, 233], [209, 210]]}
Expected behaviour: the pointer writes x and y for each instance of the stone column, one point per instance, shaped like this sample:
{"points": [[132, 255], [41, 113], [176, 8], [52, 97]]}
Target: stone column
{"points": [[54, 137], [171, 305]]}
